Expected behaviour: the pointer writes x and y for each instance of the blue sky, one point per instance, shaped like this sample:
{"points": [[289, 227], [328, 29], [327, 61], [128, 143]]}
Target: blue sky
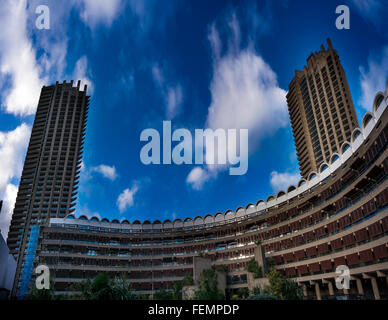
{"points": [[197, 63]]}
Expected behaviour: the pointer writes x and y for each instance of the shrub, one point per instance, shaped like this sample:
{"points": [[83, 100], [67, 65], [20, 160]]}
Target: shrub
{"points": [[254, 268]]}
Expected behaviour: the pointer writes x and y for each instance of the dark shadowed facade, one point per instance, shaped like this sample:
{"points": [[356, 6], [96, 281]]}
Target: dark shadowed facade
{"points": [[48, 185], [7, 267]]}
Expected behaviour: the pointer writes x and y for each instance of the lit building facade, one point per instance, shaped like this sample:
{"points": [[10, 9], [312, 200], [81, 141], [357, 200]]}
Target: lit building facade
{"points": [[337, 216], [321, 109]]}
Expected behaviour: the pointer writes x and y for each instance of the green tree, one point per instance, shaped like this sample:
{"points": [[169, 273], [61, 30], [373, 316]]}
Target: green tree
{"points": [[221, 268], [177, 290], [291, 290], [188, 280], [254, 267], [270, 262], [256, 290], [281, 287], [104, 288], [39, 294], [263, 296], [243, 293], [258, 242], [121, 289], [42, 294], [162, 295], [208, 286], [178, 286]]}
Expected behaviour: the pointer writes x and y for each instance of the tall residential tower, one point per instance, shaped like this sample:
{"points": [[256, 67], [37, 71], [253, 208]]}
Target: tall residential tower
{"points": [[321, 109], [48, 185]]}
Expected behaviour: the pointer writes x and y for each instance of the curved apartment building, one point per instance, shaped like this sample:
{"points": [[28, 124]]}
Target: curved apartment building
{"points": [[338, 216]]}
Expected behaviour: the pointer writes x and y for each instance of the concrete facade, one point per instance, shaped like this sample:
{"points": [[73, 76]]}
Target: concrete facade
{"points": [[48, 185], [321, 110], [337, 217]]}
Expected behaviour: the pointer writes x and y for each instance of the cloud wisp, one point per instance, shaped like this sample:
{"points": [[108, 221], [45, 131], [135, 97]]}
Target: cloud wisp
{"points": [[172, 92], [97, 12], [282, 180], [18, 62], [108, 172], [244, 93], [373, 78], [126, 198], [12, 150]]}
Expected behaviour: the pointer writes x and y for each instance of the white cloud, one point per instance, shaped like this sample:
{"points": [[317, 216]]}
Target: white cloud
{"points": [[106, 171], [12, 150], [9, 198], [174, 101], [244, 91], [374, 78], [17, 60], [171, 92], [87, 212], [95, 12], [82, 73], [197, 177], [20, 67], [125, 199], [370, 10], [282, 180], [157, 75]]}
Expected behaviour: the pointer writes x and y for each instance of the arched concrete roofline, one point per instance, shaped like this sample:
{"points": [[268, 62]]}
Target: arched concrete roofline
{"points": [[291, 188], [345, 146], [386, 87], [355, 133], [229, 214], [301, 182], [312, 174], [368, 116], [334, 157], [249, 205], [259, 201], [157, 221], [178, 223], [125, 221], [115, 221], [379, 97], [323, 166], [198, 220], [280, 193], [218, 214], [167, 224]]}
